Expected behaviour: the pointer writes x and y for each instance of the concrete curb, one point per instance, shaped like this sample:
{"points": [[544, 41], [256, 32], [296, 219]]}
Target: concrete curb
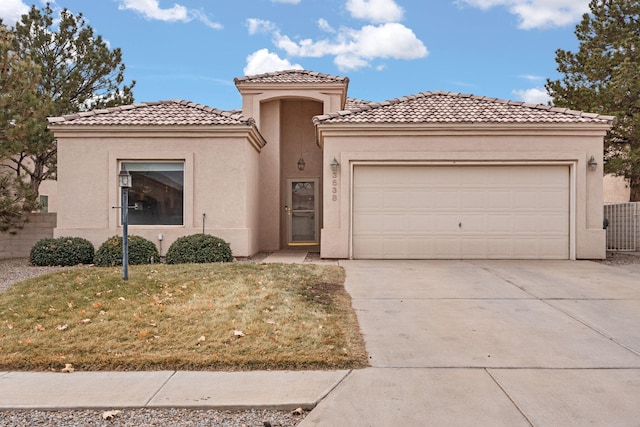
{"points": [[282, 390]]}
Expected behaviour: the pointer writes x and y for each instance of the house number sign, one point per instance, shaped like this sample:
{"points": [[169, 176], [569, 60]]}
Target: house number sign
{"points": [[334, 186]]}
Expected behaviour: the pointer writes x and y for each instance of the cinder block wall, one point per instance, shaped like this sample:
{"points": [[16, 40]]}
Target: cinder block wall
{"points": [[39, 226]]}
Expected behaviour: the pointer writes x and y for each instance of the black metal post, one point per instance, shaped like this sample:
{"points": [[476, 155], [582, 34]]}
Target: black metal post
{"points": [[125, 233]]}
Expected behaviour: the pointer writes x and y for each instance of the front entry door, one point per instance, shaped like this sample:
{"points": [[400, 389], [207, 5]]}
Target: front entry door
{"points": [[302, 212]]}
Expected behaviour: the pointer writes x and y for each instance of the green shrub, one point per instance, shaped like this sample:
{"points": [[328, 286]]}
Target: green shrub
{"points": [[141, 251], [198, 248], [62, 251]]}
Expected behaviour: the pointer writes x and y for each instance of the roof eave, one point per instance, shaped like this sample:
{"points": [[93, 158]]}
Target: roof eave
{"points": [[160, 131], [455, 129]]}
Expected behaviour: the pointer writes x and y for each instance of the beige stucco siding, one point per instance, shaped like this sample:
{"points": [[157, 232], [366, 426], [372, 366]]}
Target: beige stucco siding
{"points": [[297, 140], [457, 145], [290, 133], [220, 180]]}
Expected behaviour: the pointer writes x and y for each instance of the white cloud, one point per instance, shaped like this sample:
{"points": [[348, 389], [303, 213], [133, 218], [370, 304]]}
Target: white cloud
{"points": [[263, 61], [531, 77], [151, 9], [355, 49], [324, 25], [533, 96], [12, 10], [260, 26], [377, 11], [538, 13], [202, 17]]}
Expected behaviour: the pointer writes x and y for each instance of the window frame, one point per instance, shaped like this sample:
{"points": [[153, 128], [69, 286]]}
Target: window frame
{"points": [[121, 154]]}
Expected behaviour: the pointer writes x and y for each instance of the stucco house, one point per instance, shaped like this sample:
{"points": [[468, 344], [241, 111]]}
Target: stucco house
{"points": [[431, 175]]}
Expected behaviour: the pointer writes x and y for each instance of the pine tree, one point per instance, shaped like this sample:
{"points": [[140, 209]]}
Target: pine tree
{"points": [[603, 76], [76, 71], [20, 118]]}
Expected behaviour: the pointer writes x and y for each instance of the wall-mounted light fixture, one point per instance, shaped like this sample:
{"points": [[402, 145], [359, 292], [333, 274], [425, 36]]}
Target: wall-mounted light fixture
{"points": [[334, 165], [592, 164], [301, 164]]}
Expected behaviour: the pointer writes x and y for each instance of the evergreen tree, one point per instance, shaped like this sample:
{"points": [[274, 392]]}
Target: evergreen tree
{"points": [[76, 71], [603, 76], [20, 119]]}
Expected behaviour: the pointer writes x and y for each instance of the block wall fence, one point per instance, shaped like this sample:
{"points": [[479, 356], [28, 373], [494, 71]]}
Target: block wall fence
{"points": [[39, 226]]}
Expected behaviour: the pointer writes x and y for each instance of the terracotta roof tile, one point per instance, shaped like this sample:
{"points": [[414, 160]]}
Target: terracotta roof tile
{"points": [[167, 113], [447, 107], [353, 103], [291, 76]]}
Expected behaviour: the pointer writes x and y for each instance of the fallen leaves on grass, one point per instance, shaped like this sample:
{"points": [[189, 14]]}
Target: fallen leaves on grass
{"points": [[240, 315]]}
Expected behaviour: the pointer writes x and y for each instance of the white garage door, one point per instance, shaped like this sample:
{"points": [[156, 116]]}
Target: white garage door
{"points": [[461, 212]]}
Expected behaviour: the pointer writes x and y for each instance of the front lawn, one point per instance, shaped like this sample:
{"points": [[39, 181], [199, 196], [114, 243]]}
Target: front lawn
{"points": [[235, 316]]}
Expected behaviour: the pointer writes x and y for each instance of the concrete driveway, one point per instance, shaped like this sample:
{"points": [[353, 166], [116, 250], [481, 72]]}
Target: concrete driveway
{"points": [[491, 343]]}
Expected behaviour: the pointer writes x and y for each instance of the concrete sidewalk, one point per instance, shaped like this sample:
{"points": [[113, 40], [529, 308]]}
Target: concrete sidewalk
{"points": [[283, 390], [290, 256]]}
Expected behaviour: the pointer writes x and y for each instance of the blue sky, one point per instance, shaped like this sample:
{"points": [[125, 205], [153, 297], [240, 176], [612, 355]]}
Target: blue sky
{"points": [[192, 50]]}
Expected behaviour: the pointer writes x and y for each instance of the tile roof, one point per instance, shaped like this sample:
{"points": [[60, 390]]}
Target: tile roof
{"points": [[448, 107], [291, 76], [352, 103], [167, 113]]}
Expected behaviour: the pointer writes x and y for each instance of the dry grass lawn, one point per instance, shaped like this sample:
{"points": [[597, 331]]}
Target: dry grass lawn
{"points": [[236, 316]]}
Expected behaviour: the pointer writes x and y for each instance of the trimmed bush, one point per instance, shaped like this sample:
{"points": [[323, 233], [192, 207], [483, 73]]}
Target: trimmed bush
{"points": [[198, 248], [141, 251], [62, 251]]}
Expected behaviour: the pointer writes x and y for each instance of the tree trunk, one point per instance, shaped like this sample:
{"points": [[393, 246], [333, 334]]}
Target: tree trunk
{"points": [[634, 186]]}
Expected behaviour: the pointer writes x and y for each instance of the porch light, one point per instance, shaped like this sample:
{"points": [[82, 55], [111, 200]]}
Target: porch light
{"points": [[301, 164], [593, 165], [125, 178], [334, 165]]}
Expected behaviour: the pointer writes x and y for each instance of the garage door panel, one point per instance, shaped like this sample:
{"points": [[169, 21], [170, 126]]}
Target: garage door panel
{"points": [[500, 248], [421, 224], [499, 199], [549, 247], [554, 200], [420, 200], [471, 223], [394, 224], [365, 224], [499, 223], [473, 200], [367, 198], [446, 200], [417, 245], [524, 247], [473, 247], [396, 199], [445, 223], [497, 212], [445, 248]]}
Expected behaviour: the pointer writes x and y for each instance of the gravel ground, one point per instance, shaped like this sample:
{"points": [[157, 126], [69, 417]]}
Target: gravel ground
{"points": [[621, 258], [16, 270], [150, 417]]}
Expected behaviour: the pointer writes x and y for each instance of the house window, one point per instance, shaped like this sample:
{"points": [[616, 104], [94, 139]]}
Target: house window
{"points": [[44, 204], [156, 196]]}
